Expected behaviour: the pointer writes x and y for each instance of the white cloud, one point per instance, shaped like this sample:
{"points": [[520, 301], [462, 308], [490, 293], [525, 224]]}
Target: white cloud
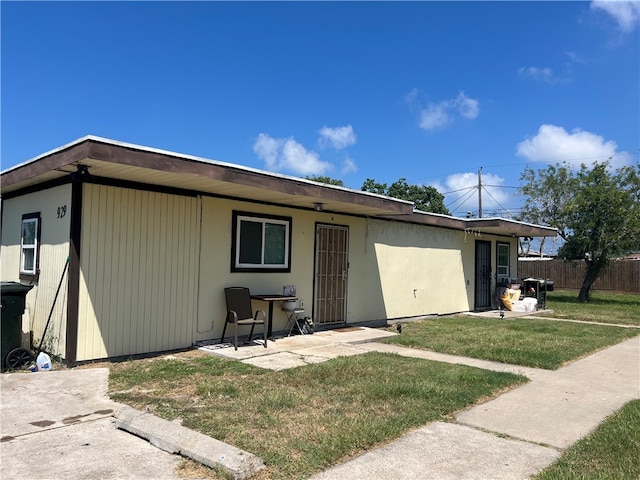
{"points": [[576, 57], [267, 149], [338, 138], [286, 154], [625, 13], [464, 196], [467, 107], [553, 144], [438, 115], [540, 74], [349, 166], [411, 98], [434, 116]]}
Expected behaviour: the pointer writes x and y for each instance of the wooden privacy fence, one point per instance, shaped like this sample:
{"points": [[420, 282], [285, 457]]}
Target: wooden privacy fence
{"points": [[618, 275]]}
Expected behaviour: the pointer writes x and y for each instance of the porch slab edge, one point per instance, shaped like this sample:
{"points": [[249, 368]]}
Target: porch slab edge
{"points": [[174, 438]]}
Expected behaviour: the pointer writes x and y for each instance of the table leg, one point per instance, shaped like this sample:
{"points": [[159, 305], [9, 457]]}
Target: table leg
{"points": [[270, 321]]}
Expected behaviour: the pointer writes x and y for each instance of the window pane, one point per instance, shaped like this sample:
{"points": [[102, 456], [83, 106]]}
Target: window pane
{"points": [[503, 260], [28, 260], [250, 242], [274, 239], [29, 232]]}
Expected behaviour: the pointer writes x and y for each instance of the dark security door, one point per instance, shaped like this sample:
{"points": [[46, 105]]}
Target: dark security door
{"points": [[483, 275], [331, 269]]}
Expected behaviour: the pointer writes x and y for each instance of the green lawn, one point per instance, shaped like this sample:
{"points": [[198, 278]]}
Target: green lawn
{"points": [[521, 341], [604, 307], [303, 420], [611, 452]]}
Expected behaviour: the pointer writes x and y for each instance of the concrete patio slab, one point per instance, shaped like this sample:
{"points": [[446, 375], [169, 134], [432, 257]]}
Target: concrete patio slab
{"points": [[313, 348], [282, 361]]}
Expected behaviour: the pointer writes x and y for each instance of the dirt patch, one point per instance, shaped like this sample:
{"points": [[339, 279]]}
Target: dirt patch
{"points": [[347, 329]]}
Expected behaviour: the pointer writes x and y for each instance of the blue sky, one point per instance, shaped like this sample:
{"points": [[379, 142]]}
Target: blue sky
{"points": [[427, 91]]}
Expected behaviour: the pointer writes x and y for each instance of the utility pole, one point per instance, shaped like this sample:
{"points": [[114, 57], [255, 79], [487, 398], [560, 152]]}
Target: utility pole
{"points": [[480, 193]]}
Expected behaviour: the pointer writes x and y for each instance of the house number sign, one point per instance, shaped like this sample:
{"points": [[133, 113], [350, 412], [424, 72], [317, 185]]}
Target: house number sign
{"points": [[62, 211]]}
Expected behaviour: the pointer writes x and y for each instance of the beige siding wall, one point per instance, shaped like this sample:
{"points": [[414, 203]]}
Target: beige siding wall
{"points": [[54, 206], [139, 269]]}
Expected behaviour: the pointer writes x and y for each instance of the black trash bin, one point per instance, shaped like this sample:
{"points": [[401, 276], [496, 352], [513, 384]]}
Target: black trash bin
{"points": [[12, 355], [538, 288]]}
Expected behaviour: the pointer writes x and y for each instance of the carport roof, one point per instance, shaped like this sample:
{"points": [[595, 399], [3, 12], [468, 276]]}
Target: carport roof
{"points": [[123, 162]]}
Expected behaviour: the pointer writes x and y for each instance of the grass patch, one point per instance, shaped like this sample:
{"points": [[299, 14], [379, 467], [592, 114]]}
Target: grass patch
{"points": [[303, 420], [522, 341], [611, 451], [604, 307]]}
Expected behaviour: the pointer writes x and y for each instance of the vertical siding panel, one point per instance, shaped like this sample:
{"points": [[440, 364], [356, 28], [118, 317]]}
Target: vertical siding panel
{"points": [[85, 272], [109, 320], [139, 264], [123, 280], [176, 337], [167, 260], [190, 274], [96, 277], [189, 287], [174, 253], [115, 319], [152, 279], [134, 262], [86, 250], [103, 286], [161, 260], [159, 242], [129, 275]]}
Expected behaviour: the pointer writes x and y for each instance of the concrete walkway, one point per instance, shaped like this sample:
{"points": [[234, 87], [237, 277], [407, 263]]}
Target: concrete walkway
{"points": [[556, 409], [511, 437]]}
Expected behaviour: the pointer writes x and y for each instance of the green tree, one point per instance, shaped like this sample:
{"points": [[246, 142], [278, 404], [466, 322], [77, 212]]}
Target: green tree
{"points": [[595, 209], [425, 198], [324, 179]]}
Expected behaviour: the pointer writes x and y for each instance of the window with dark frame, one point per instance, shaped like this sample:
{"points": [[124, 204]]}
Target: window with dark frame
{"points": [[30, 244], [261, 243]]}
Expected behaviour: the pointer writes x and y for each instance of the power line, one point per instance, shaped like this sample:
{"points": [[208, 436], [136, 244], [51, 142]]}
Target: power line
{"points": [[460, 190], [495, 200], [462, 199]]}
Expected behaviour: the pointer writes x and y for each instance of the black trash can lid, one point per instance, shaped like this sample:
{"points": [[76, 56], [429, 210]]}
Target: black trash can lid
{"points": [[14, 287]]}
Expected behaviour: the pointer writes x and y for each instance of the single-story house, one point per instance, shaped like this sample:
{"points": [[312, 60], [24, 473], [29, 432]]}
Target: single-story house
{"points": [[142, 243]]}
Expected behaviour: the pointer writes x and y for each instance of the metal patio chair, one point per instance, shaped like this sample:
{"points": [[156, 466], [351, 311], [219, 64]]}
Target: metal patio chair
{"points": [[292, 311], [239, 312]]}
